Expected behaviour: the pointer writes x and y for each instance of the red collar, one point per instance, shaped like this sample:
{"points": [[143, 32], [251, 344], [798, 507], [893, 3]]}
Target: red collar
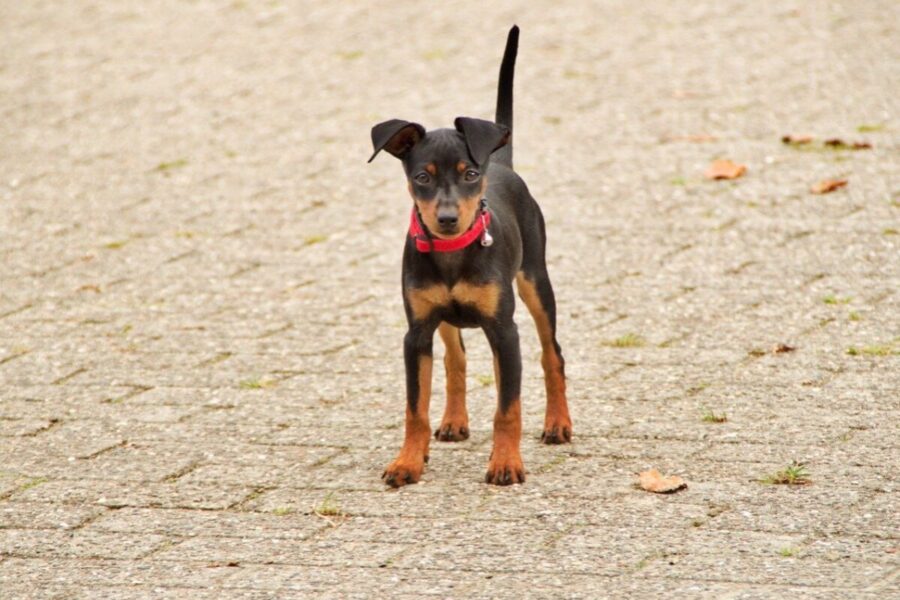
{"points": [[426, 243]]}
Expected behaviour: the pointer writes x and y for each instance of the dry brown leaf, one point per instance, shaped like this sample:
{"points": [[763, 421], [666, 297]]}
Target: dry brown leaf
{"points": [[724, 169], [827, 186], [782, 348], [842, 145], [796, 140], [653, 481]]}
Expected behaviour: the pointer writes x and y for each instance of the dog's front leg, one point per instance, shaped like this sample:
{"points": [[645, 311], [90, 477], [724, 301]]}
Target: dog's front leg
{"points": [[409, 464], [505, 466]]}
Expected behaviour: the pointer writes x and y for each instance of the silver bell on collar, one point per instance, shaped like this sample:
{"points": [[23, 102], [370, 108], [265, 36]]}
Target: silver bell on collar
{"points": [[486, 238]]}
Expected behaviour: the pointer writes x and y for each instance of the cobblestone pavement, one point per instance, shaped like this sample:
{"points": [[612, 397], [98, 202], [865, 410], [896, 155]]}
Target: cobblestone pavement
{"points": [[201, 325]]}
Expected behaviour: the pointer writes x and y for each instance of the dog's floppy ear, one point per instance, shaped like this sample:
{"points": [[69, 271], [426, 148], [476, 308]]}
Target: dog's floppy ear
{"points": [[482, 137], [396, 136]]}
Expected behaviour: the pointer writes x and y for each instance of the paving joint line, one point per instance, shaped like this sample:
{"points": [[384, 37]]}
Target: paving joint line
{"points": [[179, 473], [71, 375], [51, 424], [16, 311], [101, 451], [13, 356]]}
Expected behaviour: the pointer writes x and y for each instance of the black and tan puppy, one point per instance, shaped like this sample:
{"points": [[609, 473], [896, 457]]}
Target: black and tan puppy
{"points": [[474, 229]]}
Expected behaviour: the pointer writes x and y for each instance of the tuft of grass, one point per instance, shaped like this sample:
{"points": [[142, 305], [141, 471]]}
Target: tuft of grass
{"points": [[890, 231], [314, 239], [549, 466], [788, 552], [351, 55], [629, 340], [33, 483], [678, 181], [696, 389], [435, 54], [877, 350], [793, 474], [168, 166], [329, 507], [116, 245], [712, 417], [485, 380], [870, 127], [833, 299], [573, 74], [855, 316], [257, 383], [282, 511]]}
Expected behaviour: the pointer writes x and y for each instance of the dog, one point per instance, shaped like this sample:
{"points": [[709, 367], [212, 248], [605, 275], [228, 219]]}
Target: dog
{"points": [[474, 230]]}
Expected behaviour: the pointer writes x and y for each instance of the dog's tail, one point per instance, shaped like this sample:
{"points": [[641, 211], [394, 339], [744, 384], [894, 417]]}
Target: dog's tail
{"points": [[505, 94]]}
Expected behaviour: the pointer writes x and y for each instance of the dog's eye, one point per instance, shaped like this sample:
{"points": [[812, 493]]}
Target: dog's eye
{"points": [[423, 178], [472, 175]]}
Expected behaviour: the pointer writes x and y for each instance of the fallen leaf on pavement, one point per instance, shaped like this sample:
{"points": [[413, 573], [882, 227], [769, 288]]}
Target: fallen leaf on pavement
{"points": [[842, 145], [782, 348], [796, 140], [724, 169], [653, 481], [827, 186]]}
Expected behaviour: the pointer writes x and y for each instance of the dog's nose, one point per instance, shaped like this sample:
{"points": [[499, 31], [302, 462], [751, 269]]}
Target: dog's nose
{"points": [[447, 220]]}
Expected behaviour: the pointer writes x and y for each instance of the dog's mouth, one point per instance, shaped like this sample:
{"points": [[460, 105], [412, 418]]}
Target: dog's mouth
{"points": [[447, 232]]}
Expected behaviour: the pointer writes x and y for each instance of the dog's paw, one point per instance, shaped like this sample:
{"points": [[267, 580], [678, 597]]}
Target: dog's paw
{"points": [[557, 432], [452, 432], [403, 471], [505, 470]]}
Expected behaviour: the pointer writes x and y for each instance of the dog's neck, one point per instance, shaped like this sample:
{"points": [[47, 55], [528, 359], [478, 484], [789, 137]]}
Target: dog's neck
{"points": [[450, 266]]}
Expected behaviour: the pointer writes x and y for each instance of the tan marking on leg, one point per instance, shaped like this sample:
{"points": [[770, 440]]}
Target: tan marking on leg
{"points": [[410, 462], [423, 301], [455, 424], [485, 298], [505, 466], [557, 422]]}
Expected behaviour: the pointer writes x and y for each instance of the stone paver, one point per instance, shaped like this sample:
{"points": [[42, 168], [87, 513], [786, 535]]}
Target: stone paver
{"points": [[200, 321]]}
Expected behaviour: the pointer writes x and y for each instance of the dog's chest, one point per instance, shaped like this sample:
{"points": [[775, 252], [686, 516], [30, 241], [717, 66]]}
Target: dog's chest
{"points": [[454, 303]]}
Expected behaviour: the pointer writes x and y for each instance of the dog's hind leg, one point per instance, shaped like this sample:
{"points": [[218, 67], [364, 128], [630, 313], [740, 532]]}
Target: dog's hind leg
{"points": [[537, 294]]}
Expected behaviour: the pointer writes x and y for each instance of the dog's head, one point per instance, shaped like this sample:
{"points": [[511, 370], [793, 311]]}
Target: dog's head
{"points": [[445, 168]]}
